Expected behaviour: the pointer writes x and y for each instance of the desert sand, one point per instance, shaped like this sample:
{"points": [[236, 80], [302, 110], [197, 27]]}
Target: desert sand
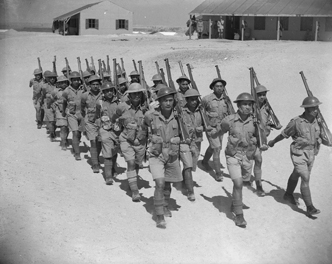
{"points": [[55, 210]]}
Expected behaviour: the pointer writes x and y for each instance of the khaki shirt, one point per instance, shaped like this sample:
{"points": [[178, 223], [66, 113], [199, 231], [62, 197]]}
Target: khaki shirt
{"points": [[181, 100], [216, 108], [241, 135], [266, 119], [36, 88], [73, 99], [47, 89], [89, 104], [305, 135], [193, 120]]}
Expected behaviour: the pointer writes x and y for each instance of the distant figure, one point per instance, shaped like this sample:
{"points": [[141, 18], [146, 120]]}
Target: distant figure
{"points": [[192, 27], [200, 27], [220, 25], [281, 29]]}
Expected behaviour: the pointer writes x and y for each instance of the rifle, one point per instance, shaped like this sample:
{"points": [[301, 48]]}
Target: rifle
{"points": [[135, 67], [123, 69], [115, 78], [100, 70], [108, 65], [161, 73], [39, 64], [260, 134], [87, 65], [119, 70], [104, 66], [184, 133], [143, 82], [202, 111], [325, 132], [274, 118], [93, 63], [67, 69], [227, 100], [81, 73], [54, 65]]}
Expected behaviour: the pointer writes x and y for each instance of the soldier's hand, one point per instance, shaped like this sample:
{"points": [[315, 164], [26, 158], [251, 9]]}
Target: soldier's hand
{"points": [[264, 147], [199, 129], [271, 143]]}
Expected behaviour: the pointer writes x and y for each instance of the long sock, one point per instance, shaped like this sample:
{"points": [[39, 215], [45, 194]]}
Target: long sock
{"points": [[167, 194], [208, 154], [159, 206], [114, 158], [217, 165], [237, 206], [306, 195], [132, 180], [291, 185], [76, 143], [93, 152], [188, 179], [98, 145], [108, 168], [63, 136]]}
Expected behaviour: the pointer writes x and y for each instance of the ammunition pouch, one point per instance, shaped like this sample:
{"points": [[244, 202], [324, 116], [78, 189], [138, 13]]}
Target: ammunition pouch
{"points": [[91, 114], [156, 145], [106, 123], [71, 107], [131, 131]]}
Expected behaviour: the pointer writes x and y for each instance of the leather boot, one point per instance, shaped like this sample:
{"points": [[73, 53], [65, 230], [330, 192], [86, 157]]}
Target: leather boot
{"points": [[188, 179], [108, 171]]}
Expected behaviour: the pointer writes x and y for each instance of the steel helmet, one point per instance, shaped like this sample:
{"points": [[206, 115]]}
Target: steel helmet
{"points": [[64, 69], [122, 80], [135, 88], [107, 85], [159, 86], [164, 91], [94, 78], [156, 77], [184, 78], [37, 71], [86, 74], [310, 101], [62, 79], [244, 97], [215, 80], [191, 93], [134, 73], [47, 74], [261, 89], [74, 74]]}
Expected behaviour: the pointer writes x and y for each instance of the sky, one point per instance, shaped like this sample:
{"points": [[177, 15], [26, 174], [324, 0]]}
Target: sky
{"points": [[33, 13]]}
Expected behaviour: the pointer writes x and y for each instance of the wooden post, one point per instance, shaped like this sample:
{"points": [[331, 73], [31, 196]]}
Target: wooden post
{"points": [[278, 29], [190, 23], [210, 28], [242, 30], [64, 27], [316, 31]]}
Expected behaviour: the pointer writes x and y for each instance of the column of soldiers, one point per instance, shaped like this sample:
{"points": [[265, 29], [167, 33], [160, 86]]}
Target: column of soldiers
{"points": [[124, 117]]}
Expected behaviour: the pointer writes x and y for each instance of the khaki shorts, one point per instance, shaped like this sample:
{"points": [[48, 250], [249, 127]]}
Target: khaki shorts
{"points": [[303, 163], [186, 156], [49, 115], [131, 152], [215, 140], [74, 123], [91, 130], [109, 146], [239, 166], [170, 171], [196, 153]]}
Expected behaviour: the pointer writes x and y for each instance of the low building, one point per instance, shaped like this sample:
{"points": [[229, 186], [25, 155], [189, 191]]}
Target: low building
{"points": [[99, 18], [268, 19]]}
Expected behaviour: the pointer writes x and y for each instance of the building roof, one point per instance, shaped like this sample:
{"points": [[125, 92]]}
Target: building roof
{"points": [[74, 12], [309, 8]]}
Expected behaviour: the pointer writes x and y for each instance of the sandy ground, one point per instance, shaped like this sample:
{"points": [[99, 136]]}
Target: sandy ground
{"points": [[55, 210]]}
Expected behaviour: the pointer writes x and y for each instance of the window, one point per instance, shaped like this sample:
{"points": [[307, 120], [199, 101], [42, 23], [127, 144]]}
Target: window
{"points": [[306, 23], [122, 24], [283, 23], [259, 23], [92, 23], [328, 24]]}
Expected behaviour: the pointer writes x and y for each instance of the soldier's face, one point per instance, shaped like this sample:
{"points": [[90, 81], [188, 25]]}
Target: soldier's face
{"points": [[218, 88], [312, 111], [109, 93], [123, 87], [75, 82], [192, 101], [166, 102], [135, 98], [157, 82], [52, 80], [134, 79], [184, 85], [86, 79], [261, 97], [62, 85], [95, 86], [38, 76], [245, 107]]}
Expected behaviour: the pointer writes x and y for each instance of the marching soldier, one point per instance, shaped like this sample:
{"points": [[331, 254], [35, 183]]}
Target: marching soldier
{"points": [[193, 119], [130, 116], [240, 150], [61, 120], [47, 89], [86, 76], [72, 108], [164, 151], [64, 71], [107, 77], [306, 134], [183, 83], [122, 88], [135, 77], [109, 130], [216, 109], [91, 108], [36, 84]]}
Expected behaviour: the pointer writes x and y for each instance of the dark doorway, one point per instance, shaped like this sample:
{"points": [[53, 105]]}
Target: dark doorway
{"points": [[232, 26]]}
